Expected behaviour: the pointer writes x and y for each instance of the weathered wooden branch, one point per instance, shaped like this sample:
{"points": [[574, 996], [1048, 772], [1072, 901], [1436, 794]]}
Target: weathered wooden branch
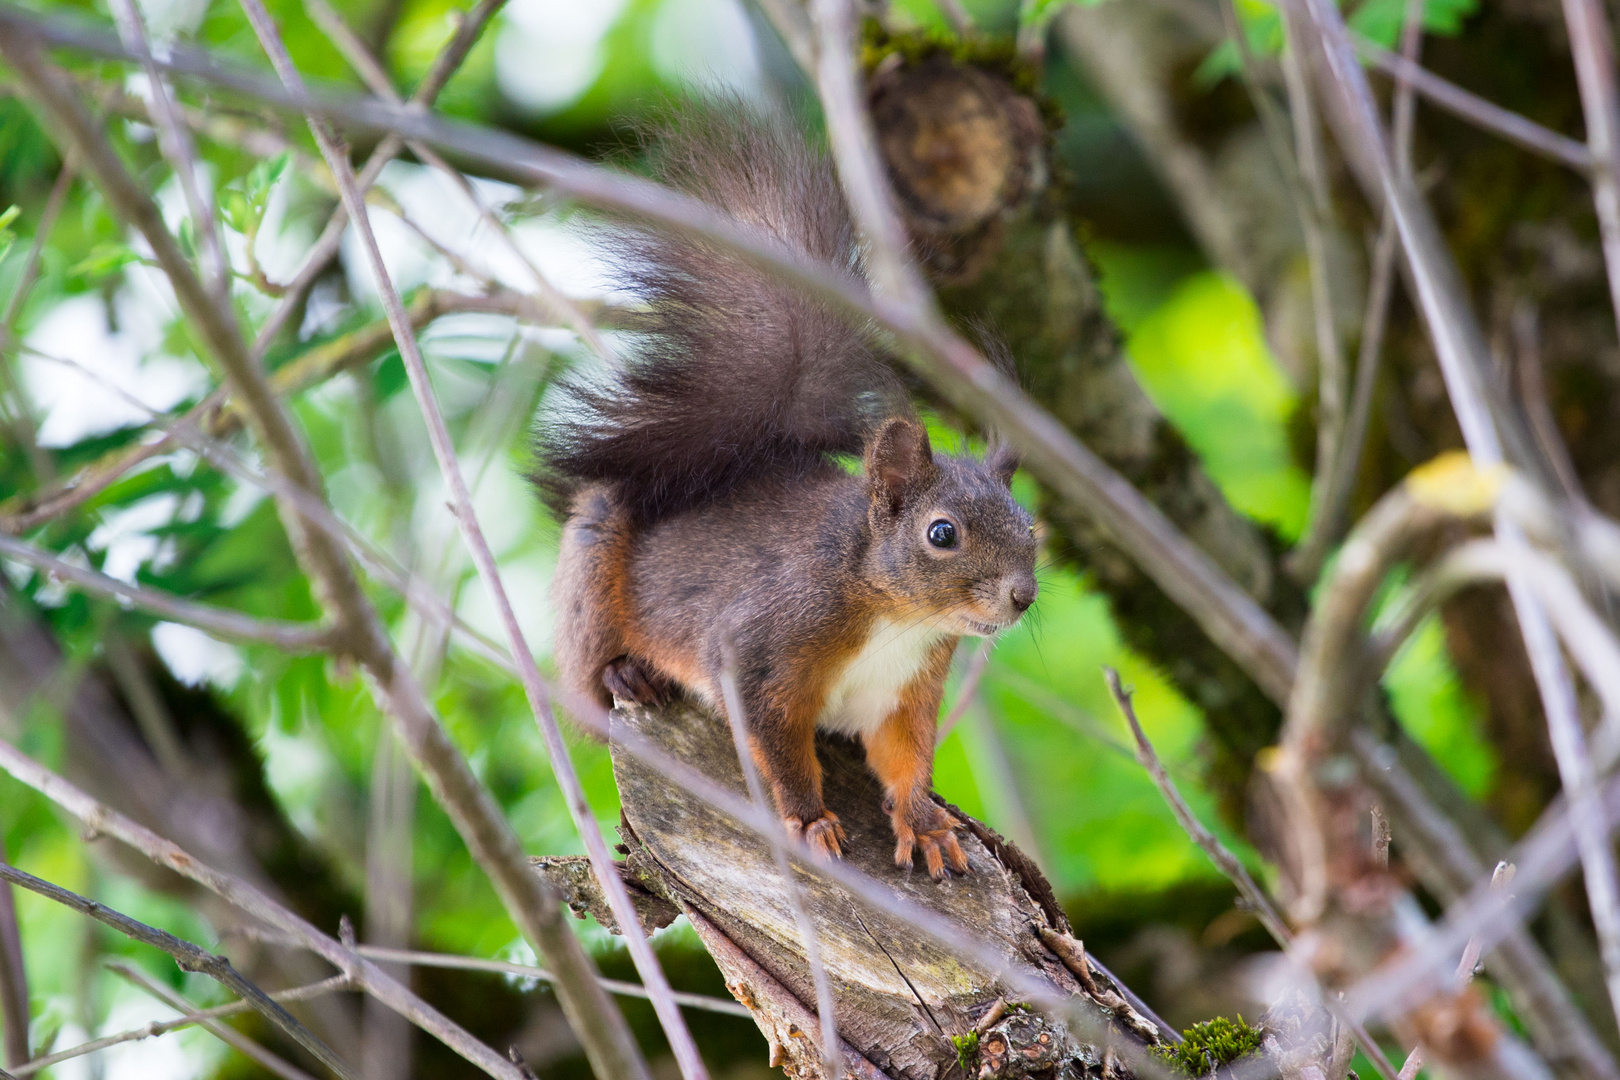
{"points": [[908, 1006]]}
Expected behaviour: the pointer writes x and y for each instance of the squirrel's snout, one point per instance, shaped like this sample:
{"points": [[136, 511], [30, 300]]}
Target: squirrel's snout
{"points": [[1019, 590]]}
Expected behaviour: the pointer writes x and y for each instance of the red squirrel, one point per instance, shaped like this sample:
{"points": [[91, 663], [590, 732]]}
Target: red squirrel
{"points": [[707, 511]]}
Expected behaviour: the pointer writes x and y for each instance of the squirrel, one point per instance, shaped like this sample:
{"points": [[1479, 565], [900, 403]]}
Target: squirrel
{"points": [[710, 521]]}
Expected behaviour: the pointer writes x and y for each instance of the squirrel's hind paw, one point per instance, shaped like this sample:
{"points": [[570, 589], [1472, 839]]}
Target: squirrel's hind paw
{"points": [[937, 842], [631, 680], [824, 835]]}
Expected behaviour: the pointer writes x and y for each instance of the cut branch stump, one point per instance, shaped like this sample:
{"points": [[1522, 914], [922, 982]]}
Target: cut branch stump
{"points": [[907, 1006]]}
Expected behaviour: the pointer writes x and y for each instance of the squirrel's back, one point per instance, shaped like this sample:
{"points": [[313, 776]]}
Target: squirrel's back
{"points": [[738, 376]]}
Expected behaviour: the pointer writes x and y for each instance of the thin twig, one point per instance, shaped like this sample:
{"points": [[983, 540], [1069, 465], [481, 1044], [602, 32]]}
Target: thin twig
{"points": [[1591, 45], [326, 247], [218, 622], [27, 433], [1501, 877], [1516, 129], [354, 50], [1316, 220], [1328, 521], [1227, 863], [417, 958], [614, 1048], [335, 984], [175, 142], [190, 958], [614, 986], [968, 688], [737, 718], [98, 818], [13, 978], [249, 1048]]}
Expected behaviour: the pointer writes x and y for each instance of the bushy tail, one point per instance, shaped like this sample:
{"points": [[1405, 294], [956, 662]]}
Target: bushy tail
{"points": [[738, 376]]}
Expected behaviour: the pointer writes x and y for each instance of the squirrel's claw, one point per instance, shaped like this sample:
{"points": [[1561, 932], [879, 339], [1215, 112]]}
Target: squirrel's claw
{"points": [[938, 843], [630, 680], [824, 835]]}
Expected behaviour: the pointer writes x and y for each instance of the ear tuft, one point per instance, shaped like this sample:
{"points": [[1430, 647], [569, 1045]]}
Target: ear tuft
{"points": [[1003, 460], [899, 461]]}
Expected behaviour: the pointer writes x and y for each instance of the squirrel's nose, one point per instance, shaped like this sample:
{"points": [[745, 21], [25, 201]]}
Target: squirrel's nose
{"points": [[1021, 592]]}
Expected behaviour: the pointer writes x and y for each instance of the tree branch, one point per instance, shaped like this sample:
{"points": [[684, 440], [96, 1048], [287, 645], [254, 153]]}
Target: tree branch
{"points": [[218, 622], [163, 1027]]}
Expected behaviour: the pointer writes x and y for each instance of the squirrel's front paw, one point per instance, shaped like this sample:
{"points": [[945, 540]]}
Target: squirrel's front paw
{"points": [[931, 829], [824, 834]]}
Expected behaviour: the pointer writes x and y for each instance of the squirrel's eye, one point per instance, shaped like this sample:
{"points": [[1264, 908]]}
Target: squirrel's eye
{"points": [[942, 534]]}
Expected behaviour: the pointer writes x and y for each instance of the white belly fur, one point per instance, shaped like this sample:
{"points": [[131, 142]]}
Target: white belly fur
{"points": [[869, 686]]}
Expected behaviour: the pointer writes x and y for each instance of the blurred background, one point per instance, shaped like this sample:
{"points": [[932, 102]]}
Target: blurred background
{"points": [[284, 763]]}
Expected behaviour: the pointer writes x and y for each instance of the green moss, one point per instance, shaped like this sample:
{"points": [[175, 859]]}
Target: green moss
{"points": [[967, 1048], [1211, 1044]]}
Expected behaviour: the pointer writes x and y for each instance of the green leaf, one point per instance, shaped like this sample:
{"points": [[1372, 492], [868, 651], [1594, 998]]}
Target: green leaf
{"points": [[104, 260], [237, 210], [7, 236], [1381, 20]]}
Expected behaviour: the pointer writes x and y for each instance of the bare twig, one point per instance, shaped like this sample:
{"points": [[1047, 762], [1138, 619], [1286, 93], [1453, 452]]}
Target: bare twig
{"points": [[190, 958], [860, 169], [366, 65], [226, 625], [13, 979], [1501, 877], [1591, 44], [162, 1027], [614, 986], [1575, 765], [1475, 110], [22, 410], [1230, 866], [1326, 527], [1219, 854], [418, 958], [175, 141], [365, 975], [226, 1034], [737, 718], [614, 1049], [470, 27], [967, 690], [1316, 222]]}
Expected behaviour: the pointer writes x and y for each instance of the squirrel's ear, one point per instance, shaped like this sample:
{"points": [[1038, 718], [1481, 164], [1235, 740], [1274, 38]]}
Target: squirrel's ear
{"points": [[1003, 460], [898, 460]]}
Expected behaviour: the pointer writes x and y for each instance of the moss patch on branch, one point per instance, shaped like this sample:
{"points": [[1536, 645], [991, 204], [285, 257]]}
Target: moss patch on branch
{"points": [[1211, 1044]]}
